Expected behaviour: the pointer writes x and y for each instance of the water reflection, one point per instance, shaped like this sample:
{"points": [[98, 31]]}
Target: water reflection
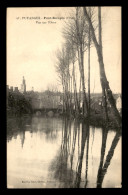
{"points": [[18, 126], [103, 147], [65, 153], [85, 134], [103, 168], [72, 175]]}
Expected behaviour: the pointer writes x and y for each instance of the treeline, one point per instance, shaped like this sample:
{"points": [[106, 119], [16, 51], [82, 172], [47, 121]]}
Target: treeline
{"points": [[80, 34], [18, 105]]}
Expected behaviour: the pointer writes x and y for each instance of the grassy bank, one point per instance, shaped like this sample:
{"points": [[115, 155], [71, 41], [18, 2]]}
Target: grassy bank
{"points": [[97, 120]]}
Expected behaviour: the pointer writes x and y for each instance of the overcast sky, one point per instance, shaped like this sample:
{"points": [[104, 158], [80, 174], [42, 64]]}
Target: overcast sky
{"points": [[31, 47]]}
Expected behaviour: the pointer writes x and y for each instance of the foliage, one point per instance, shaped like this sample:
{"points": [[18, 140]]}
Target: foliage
{"points": [[18, 104]]}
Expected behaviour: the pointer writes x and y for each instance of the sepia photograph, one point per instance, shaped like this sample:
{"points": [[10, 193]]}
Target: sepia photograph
{"points": [[64, 97]]}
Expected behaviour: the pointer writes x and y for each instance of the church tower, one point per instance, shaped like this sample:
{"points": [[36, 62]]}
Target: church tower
{"points": [[23, 86]]}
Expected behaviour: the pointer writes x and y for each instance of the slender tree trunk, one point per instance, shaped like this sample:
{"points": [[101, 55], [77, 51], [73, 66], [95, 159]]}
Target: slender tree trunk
{"points": [[83, 83], [63, 108], [80, 94], [81, 66], [89, 70], [71, 94], [75, 91], [66, 96], [104, 98], [103, 78]]}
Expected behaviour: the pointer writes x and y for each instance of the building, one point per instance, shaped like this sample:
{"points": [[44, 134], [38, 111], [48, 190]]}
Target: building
{"points": [[23, 86], [97, 103], [11, 89], [16, 89], [45, 100]]}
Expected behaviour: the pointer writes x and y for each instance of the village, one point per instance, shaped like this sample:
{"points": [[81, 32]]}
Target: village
{"points": [[54, 99]]}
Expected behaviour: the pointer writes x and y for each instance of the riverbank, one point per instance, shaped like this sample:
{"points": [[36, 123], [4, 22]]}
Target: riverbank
{"points": [[96, 119]]}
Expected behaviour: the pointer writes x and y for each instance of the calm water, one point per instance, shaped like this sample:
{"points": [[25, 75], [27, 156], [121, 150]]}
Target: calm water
{"points": [[59, 153]]}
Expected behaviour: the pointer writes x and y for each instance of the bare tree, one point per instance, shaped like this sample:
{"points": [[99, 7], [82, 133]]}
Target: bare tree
{"points": [[103, 78], [62, 67], [76, 30], [104, 98]]}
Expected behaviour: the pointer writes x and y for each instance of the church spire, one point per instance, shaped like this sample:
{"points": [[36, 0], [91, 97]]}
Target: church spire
{"points": [[23, 86]]}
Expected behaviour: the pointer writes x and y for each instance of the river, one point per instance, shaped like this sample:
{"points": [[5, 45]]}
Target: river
{"points": [[44, 152]]}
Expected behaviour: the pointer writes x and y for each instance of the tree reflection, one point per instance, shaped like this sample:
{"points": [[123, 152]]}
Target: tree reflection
{"points": [[74, 142], [70, 166], [103, 168], [62, 172], [17, 126], [65, 169], [85, 136], [103, 147], [86, 173]]}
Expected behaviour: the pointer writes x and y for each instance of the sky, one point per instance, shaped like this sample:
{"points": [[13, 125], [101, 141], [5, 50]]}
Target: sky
{"points": [[32, 43]]}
